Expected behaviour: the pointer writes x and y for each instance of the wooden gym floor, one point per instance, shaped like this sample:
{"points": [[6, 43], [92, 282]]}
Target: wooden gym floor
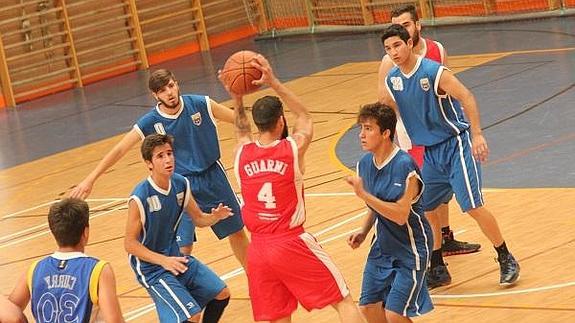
{"points": [[525, 92]]}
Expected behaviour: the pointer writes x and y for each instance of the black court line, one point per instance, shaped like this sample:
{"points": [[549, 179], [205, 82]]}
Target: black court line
{"points": [[531, 107]]}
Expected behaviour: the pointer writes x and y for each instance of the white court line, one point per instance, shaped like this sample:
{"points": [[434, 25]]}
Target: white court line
{"points": [[4, 238], [52, 202], [329, 194], [236, 272], [505, 293], [48, 231], [339, 224], [28, 209]]}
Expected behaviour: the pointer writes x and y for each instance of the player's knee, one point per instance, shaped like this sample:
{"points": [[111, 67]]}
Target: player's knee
{"points": [[225, 293], [186, 250], [239, 235]]}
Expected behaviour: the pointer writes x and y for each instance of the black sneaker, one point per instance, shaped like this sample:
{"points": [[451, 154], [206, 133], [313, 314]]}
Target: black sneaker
{"points": [[450, 246], [438, 276], [509, 270]]}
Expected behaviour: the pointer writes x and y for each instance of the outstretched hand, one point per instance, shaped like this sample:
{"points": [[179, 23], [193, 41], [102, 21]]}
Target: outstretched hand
{"points": [[82, 190], [222, 212], [356, 239], [357, 183]]}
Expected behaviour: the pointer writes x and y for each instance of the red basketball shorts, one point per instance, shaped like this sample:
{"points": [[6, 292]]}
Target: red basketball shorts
{"points": [[290, 268]]}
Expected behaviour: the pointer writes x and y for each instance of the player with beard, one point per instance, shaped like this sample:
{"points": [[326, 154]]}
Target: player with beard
{"points": [[444, 242], [191, 120]]}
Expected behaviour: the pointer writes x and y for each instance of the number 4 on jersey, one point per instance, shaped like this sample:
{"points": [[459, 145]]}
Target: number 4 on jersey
{"points": [[266, 195]]}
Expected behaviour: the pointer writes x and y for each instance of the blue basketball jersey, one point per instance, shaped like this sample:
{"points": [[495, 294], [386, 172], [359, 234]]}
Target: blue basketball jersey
{"points": [[160, 212], [64, 287], [194, 130], [412, 242], [429, 118]]}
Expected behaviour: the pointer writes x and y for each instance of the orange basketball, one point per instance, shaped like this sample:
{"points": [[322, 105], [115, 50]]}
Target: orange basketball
{"points": [[238, 73]]}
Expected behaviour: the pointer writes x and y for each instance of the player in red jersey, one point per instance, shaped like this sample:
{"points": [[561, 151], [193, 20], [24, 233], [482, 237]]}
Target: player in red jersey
{"points": [[286, 265], [444, 242]]}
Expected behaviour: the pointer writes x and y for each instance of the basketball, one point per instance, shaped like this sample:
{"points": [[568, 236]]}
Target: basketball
{"points": [[238, 73]]}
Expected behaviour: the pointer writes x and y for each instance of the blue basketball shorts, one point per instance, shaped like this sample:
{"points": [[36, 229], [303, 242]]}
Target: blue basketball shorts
{"points": [[402, 290], [449, 167], [211, 188], [177, 298]]}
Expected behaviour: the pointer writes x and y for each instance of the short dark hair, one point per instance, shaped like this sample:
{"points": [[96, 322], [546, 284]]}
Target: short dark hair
{"points": [[383, 115], [67, 220], [266, 111], [403, 9], [153, 141], [160, 78], [395, 30]]}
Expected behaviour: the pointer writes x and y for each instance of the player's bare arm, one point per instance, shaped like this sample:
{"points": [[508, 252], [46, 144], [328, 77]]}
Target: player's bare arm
{"points": [[357, 238], [107, 298], [221, 112], [84, 188], [132, 245], [241, 123], [303, 126], [449, 84], [398, 211], [384, 67], [202, 219], [20, 294]]}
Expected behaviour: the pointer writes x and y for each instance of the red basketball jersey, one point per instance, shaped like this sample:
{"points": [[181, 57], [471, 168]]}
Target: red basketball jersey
{"points": [[271, 185], [434, 50]]}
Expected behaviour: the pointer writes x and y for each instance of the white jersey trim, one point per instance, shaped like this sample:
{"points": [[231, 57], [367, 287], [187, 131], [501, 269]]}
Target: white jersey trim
{"points": [[415, 68], [387, 160], [171, 116], [143, 220], [411, 293], [68, 255], [389, 90], [465, 171], [402, 137], [410, 175], [318, 251], [170, 305], [188, 194], [139, 131], [298, 218], [159, 189], [237, 169], [441, 51], [176, 299]]}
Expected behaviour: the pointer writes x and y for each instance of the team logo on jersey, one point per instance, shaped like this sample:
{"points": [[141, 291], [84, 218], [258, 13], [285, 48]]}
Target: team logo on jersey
{"points": [[197, 118], [424, 82], [160, 128], [154, 203], [180, 197], [396, 83]]}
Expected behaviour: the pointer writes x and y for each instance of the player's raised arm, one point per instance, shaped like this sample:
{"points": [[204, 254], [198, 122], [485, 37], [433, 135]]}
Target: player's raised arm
{"points": [[303, 126], [83, 189]]}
